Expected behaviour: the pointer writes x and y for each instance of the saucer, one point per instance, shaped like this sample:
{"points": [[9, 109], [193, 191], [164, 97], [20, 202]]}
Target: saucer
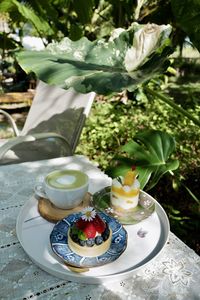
{"points": [[59, 243], [146, 206]]}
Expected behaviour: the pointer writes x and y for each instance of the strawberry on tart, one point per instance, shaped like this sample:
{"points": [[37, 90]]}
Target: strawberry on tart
{"points": [[90, 235]]}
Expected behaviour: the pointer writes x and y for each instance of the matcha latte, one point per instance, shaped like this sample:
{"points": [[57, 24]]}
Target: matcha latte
{"points": [[66, 188], [66, 179]]}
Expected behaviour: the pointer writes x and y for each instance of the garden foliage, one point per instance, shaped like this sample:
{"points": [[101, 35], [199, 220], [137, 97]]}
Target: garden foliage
{"points": [[150, 152]]}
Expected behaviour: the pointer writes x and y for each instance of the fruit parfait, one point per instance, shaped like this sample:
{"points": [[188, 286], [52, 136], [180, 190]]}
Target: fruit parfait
{"points": [[125, 191], [90, 235]]}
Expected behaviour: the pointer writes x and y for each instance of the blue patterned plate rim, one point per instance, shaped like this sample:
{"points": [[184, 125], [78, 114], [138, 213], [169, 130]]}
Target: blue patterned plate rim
{"points": [[59, 244]]}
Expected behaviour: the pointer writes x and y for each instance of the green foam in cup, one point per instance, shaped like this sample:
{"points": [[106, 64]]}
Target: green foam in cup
{"points": [[66, 179]]}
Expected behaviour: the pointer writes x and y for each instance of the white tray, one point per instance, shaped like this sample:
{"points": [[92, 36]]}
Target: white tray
{"points": [[145, 241]]}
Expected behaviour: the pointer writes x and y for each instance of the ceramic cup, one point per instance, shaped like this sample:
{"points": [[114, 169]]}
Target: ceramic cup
{"points": [[64, 188]]}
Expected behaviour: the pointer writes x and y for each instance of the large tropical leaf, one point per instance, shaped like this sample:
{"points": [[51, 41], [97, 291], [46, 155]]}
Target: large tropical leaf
{"points": [[127, 59], [150, 151]]}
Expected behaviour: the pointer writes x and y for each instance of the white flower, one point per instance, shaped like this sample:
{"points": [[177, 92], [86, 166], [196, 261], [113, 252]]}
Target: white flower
{"points": [[88, 214]]}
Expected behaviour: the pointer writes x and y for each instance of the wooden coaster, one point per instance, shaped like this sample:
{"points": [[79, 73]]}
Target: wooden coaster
{"points": [[54, 214]]}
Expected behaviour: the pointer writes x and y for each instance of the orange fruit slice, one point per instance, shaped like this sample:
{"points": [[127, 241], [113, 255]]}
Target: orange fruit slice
{"points": [[129, 178]]}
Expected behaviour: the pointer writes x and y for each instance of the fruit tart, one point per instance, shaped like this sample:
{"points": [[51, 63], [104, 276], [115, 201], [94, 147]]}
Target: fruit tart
{"points": [[90, 235]]}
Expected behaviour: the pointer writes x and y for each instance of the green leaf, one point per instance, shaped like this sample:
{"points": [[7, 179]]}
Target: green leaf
{"points": [[150, 151], [6, 6], [28, 13], [8, 43], [84, 9], [132, 57], [118, 170], [187, 15], [76, 32], [81, 235]]}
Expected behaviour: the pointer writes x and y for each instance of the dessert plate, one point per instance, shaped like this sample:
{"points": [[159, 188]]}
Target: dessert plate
{"points": [[59, 243], [145, 242], [146, 206]]}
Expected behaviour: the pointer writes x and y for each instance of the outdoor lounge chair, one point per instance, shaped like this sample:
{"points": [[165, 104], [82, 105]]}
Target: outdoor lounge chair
{"points": [[52, 128]]}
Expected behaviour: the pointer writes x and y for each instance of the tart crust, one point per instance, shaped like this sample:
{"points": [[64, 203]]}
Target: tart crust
{"points": [[93, 251]]}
